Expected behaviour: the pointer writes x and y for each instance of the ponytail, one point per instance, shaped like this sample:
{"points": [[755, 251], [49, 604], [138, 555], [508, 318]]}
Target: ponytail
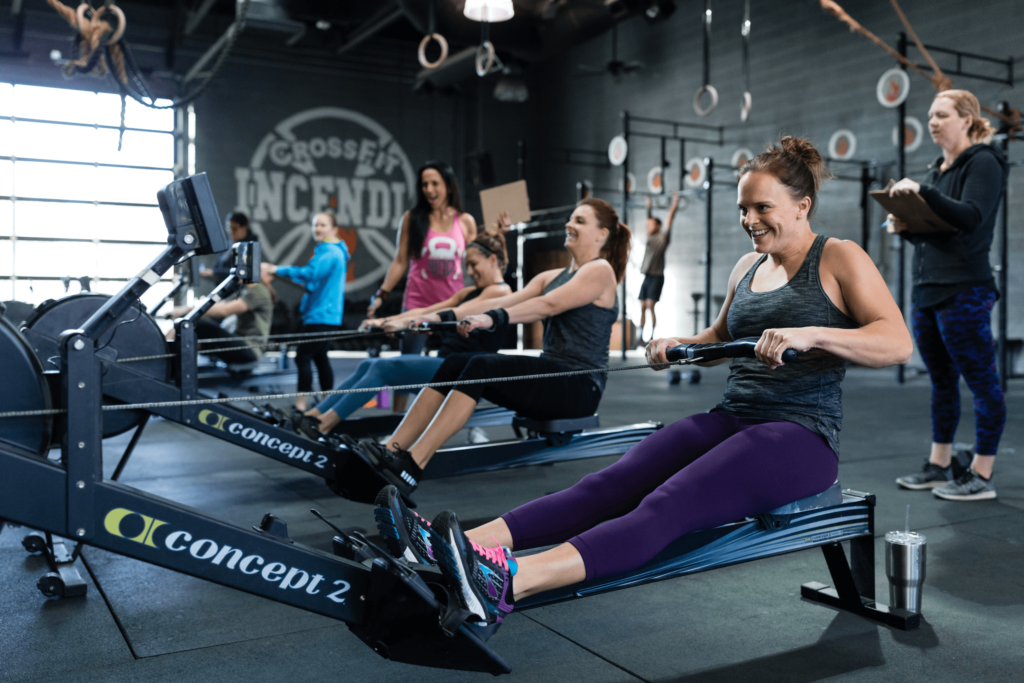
{"points": [[620, 239]]}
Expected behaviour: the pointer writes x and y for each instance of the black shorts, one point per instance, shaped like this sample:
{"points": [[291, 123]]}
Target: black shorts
{"points": [[651, 288]]}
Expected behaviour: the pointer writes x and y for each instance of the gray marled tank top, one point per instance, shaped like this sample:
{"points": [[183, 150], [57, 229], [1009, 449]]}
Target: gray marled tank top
{"points": [[579, 338], [807, 392]]}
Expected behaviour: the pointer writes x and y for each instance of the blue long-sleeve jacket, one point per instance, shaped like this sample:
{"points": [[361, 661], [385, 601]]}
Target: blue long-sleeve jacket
{"points": [[324, 280]]}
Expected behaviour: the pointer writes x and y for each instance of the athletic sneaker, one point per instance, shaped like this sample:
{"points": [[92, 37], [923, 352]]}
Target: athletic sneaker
{"points": [[481, 578], [969, 486], [931, 476], [406, 534], [961, 461], [308, 426], [477, 435], [398, 462]]}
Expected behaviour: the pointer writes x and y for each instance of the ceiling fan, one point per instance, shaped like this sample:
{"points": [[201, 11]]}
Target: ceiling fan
{"points": [[616, 67]]}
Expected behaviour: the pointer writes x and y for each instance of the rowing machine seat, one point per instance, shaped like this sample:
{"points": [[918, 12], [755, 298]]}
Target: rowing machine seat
{"points": [[569, 425], [779, 517], [557, 432]]}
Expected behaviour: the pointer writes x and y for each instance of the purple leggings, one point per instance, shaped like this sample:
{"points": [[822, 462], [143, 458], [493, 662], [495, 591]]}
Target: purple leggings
{"points": [[700, 472]]}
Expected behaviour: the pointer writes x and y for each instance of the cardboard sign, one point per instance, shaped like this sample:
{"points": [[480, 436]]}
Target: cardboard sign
{"points": [[512, 198], [912, 209]]}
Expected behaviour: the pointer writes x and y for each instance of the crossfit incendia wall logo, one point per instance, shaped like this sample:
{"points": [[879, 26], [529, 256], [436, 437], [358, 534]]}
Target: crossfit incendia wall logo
{"points": [[328, 158]]}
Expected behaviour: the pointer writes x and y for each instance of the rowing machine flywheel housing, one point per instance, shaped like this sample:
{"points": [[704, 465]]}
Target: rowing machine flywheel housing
{"points": [[134, 334]]}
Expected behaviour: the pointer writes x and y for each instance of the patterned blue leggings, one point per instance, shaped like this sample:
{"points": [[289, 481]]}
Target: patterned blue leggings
{"points": [[956, 339]]}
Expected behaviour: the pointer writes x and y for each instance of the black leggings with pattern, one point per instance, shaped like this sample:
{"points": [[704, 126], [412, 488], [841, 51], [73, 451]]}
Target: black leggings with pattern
{"points": [[954, 340]]}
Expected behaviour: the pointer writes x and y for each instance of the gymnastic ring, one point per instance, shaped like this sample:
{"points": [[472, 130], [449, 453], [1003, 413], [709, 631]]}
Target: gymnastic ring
{"points": [[484, 58], [745, 108], [121, 21], [710, 89], [422, 53]]}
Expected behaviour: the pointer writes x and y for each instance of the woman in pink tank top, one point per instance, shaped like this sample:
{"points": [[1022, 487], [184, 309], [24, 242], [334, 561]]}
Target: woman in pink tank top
{"points": [[431, 243], [436, 273]]}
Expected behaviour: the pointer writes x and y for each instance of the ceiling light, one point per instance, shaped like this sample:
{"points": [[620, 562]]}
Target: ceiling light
{"points": [[491, 11]]}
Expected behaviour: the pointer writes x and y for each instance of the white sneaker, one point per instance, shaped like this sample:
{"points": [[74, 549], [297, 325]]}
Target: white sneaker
{"points": [[477, 435]]}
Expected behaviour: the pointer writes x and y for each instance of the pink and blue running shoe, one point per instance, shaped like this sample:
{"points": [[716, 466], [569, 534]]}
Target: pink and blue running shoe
{"points": [[406, 534], [481, 578]]}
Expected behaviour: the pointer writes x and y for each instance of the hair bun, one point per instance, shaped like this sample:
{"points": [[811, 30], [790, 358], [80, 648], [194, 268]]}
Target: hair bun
{"points": [[796, 164], [807, 153]]}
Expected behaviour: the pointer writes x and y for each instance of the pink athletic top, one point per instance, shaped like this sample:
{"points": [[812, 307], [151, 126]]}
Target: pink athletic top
{"points": [[436, 273]]}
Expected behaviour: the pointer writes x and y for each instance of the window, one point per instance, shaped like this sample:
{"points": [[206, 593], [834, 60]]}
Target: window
{"points": [[71, 204]]}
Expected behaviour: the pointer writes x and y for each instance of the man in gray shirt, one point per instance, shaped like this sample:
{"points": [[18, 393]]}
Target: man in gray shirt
{"points": [[654, 262], [254, 306]]}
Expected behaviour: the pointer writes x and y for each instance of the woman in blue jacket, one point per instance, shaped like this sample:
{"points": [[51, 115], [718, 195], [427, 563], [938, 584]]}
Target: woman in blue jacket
{"points": [[324, 302]]}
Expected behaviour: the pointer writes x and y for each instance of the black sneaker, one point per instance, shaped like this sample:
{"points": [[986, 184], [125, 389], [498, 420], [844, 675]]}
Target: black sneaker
{"points": [[480, 578], [398, 463], [308, 426], [931, 476], [969, 486], [406, 534]]}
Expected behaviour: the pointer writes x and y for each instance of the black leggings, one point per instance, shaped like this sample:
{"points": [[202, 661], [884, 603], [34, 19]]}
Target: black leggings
{"points": [[207, 329], [316, 352], [542, 399]]}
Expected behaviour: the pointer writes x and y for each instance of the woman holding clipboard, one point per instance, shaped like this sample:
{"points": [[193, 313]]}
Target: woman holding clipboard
{"points": [[954, 292]]}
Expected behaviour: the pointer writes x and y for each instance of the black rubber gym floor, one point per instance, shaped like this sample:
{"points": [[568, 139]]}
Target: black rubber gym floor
{"points": [[742, 623]]}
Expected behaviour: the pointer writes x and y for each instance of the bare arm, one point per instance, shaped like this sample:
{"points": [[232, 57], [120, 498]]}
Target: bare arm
{"points": [[223, 309], [469, 229], [592, 282], [534, 288], [671, 214], [410, 315], [399, 264], [882, 338], [588, 285]]}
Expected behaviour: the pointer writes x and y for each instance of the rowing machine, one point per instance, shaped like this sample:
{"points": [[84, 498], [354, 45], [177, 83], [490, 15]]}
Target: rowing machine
{"points": [[70, 499], [392, 607], [166, 384]]}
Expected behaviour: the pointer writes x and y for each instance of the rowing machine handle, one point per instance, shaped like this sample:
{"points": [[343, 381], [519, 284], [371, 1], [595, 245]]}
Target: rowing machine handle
{"points": [[441, 326], [740, 348]]}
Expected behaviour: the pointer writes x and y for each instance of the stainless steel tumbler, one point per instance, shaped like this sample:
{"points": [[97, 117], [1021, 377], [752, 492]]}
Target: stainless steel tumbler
{"points": [[905, 568]]}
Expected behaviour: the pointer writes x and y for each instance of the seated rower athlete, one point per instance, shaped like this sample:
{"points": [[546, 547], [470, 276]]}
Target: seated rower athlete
{"points": [[578, 305], [486, 259], [254, 308], [772, 440]]}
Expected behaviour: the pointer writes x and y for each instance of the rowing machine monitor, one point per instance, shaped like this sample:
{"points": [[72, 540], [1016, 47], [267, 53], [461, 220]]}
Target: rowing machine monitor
{"points": [[740, 348], [247, 262], [190, 214]]}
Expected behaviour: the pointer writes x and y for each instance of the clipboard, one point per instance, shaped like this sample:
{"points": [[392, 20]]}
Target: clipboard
{"points": [[512, 198], [912, 209]]}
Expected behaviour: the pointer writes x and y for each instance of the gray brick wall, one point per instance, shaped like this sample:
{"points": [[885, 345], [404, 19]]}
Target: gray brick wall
{"points": [[810, 76]]}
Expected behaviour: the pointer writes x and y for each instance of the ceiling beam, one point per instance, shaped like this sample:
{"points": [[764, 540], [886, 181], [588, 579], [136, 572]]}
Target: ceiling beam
{"points": [[372, 26]]}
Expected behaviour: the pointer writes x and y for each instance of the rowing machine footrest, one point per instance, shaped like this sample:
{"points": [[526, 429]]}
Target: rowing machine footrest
{"points": [[779, 517], [401, 624], [544, 427]]}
